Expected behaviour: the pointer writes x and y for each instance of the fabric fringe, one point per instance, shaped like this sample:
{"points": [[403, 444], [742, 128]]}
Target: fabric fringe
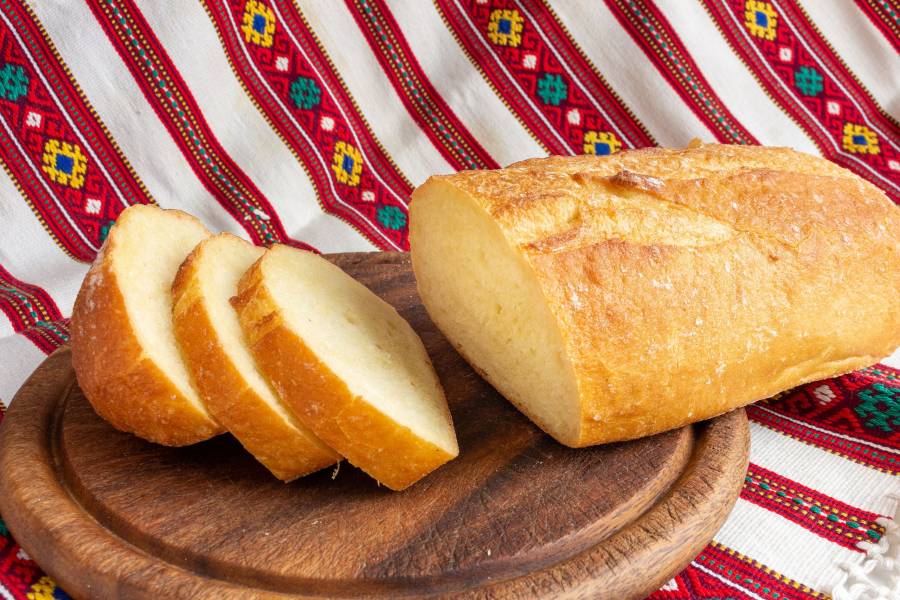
{"points": [[876, 575]]}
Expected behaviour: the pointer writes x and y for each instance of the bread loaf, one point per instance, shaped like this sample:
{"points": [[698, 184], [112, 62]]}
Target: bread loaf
{"points": [[123, 347], [610, 298], [224, 372], [350, 367]]}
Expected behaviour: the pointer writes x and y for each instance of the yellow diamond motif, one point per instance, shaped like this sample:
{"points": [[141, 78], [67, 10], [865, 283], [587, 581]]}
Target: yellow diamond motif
{"points": [[258, 24], [601, 143], [505, 27], [859, 139], [346, 163], [42, 589], [64, 163], [761, 19]]}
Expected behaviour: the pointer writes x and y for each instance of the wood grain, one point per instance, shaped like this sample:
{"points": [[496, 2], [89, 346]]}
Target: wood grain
{"points": [[515, 516]]}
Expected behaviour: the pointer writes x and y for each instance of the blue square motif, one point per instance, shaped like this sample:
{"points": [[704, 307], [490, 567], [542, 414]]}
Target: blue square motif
{"points": [[64, 163], [761, 19], [347, 164], [504, 26], [601, 149], [860, 140], [259, 23]]}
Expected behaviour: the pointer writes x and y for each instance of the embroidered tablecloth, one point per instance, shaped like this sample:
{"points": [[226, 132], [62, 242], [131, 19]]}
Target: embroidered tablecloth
{"points": [[311, 122]]}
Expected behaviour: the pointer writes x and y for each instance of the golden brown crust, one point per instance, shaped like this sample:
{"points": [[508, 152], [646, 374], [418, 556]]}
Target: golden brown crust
{"points": [[706, 278], [123, 385], [283, 448], [322, 401]]}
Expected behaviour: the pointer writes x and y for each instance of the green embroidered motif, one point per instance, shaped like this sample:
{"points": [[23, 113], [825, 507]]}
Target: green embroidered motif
{"points": [[879, 407], [552, 89], [104, 231], [13, 82], [3, 530], [305, 93], [808, 81], [391, 217]]}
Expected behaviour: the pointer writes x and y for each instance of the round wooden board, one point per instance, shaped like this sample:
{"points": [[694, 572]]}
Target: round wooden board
{"points": [[517, 515]]}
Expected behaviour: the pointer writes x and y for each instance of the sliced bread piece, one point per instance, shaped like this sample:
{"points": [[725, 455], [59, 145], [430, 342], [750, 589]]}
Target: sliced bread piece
{"points": [[224, 372], [123, 346], [347, 364]]}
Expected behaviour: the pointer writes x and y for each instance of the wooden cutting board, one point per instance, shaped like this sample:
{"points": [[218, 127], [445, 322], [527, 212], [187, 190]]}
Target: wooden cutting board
{"points": [[517, 515]]}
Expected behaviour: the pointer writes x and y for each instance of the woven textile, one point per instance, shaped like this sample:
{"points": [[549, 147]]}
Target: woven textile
{"points": [[310, 123]]}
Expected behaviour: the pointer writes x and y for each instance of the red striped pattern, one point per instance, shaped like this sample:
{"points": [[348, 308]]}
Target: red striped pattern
{"points": [[52, 144], [827, 517], [32, 312], [846, 405], [802, 74], [293, 84], [543, 77], [720, 572], [427, 108], [168, 94], [804, 28], [655, 36], [860, 452], [885, 16]]}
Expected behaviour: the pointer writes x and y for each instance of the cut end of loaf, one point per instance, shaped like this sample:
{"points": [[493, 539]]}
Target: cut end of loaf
{"points": [[484, 296], [224, 371], [123, 346], [347, 364]]}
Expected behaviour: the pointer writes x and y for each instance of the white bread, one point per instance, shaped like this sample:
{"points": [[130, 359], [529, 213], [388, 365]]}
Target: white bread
{"points": [[123, 347], [347, 364], [224, 372], [616, 297]]}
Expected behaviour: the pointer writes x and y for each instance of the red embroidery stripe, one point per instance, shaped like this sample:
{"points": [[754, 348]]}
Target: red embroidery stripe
{"points": [[167, 93], [720, 572], [885, 17], [52, 144], [427, 108], [286, 74], [32, 312], [657, 38], [829, 518], [863, 453], [746, 573], [855, 405], [586, 74], [817, 95], [883, 373], [532, 63], [803, 27]]}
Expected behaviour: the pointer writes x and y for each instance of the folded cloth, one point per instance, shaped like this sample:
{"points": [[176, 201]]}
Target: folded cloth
{"points": [[311, 122]]}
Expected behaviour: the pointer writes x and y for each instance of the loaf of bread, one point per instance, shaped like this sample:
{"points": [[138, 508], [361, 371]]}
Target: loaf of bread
{"points": [[224, 372], [610, 298], [123, 347], [350, 367]]}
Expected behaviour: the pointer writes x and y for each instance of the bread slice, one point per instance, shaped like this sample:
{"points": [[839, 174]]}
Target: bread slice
{"points": [[123, 345], [610, 298], [347, 364], [224, 372]]}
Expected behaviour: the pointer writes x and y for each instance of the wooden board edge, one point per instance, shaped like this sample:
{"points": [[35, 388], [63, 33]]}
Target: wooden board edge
{"points": [[699, 501]]}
